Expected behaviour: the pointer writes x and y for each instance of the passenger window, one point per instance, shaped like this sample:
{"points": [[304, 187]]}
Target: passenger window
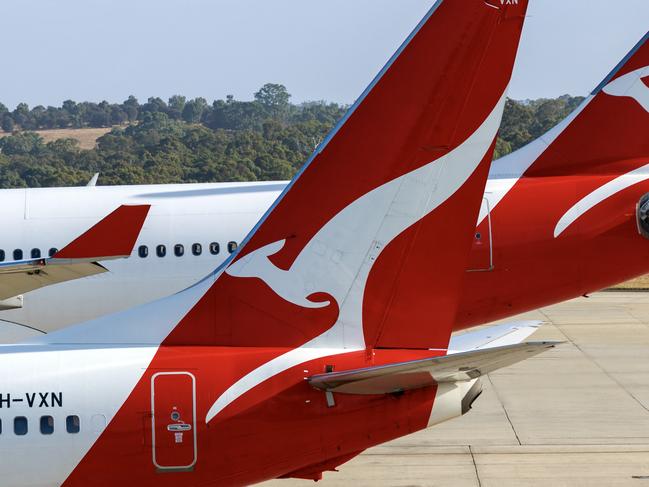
{"points": [[179, 250], [53, 251], [36, 253], [47, 425], [72, 424], [143, 251], [215, 248], [2, 255], [18, 254], [232, 246], [161, 250], [197, 249], [20, 425]]}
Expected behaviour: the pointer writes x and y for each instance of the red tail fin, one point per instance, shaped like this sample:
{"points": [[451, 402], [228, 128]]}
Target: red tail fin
{"points": [[368, 244], [606, 135]]}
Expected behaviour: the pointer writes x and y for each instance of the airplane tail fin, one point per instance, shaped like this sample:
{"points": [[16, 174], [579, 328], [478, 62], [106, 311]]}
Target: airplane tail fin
{"points": [[605, 135], [367, 245]]}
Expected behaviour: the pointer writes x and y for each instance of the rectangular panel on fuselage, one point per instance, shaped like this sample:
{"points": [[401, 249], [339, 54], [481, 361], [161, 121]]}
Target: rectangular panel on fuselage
{"points": [[173, 405]]}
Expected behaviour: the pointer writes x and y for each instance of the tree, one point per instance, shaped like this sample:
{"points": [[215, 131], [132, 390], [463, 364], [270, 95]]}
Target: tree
{"points": [[515, 127], [176, 106], [22, 143], [273, 96], [21, 115], [235, 115], [502, 148], [117, 115], [7, 123], [132, 108], [153, 105], [231, 140], [194, 109], [70, 106]]}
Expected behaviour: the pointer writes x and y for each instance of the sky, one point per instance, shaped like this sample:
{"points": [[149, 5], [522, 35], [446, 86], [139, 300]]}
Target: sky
{"points": [[91, 50]]}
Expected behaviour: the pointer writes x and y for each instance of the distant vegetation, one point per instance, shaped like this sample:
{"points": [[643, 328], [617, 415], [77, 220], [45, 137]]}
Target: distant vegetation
{"points": [[181, 141]]}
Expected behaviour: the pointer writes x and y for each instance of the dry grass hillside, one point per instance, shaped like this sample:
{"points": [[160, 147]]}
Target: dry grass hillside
{"points": [[87, 137]]}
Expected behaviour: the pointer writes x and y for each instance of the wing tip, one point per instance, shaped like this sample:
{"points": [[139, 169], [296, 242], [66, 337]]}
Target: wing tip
{"points": [[113, 237]]}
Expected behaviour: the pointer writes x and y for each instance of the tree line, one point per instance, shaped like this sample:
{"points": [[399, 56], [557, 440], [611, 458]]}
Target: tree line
{"points": [[182, 141]]}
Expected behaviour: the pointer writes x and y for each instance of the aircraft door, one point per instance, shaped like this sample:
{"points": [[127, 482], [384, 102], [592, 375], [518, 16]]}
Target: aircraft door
{"points": [[481, 257], [173, 428]]}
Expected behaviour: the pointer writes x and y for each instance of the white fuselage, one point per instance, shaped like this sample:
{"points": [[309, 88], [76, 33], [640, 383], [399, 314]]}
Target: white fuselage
{"points": [[184, 215]]}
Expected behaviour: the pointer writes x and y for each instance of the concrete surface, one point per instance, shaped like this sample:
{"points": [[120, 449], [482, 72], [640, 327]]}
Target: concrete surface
{"points": [[575, 416]]}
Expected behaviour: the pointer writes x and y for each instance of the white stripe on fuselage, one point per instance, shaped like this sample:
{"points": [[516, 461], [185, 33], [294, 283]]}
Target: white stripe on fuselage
{"points": [[599, 195]]}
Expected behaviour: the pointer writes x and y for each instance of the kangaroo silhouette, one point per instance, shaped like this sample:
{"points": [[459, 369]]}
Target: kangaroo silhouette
{"points": [[337, 261], [631, 85]]}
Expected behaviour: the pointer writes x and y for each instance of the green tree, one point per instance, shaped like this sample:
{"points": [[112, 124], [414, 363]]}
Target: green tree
{"points": [[273, 96], [231, 140], [132, 108], [176, 106], [118, 115], [22, 116], [153, 105], [7, 123], [193, 110], [70, 106], [21, 144]]}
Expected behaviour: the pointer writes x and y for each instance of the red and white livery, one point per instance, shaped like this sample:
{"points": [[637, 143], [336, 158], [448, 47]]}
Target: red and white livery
{"points": [[564, 212], [329, 330]]}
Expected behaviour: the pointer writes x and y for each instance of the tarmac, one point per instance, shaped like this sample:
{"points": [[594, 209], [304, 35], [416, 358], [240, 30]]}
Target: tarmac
{"points": [[577, 415]]}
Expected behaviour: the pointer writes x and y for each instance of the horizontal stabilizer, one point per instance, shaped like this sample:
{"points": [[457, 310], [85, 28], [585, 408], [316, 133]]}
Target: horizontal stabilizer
{"points": [[416, 374], [493, 336], [112, 238]]}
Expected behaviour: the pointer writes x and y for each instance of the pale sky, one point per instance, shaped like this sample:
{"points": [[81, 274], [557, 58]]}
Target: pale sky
{"points": [[320, 49]]}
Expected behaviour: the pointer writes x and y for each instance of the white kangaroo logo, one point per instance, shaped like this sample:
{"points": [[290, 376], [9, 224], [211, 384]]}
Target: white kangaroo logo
{"points": [[287, 284], [338, 259], [631, 85]]}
